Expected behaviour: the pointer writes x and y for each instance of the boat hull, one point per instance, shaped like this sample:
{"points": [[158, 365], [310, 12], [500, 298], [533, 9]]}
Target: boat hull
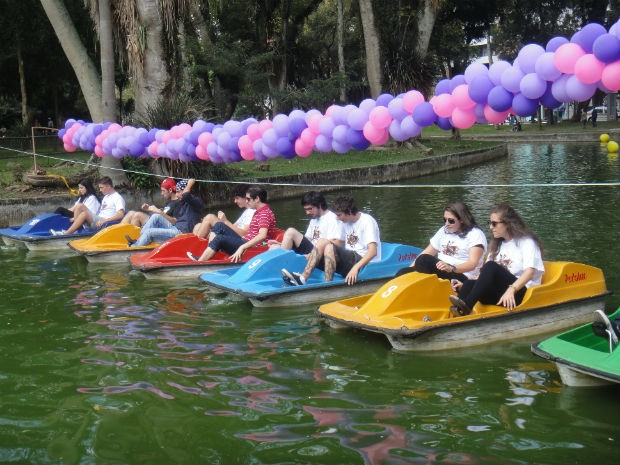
{"points": [[583, 359], [35, 233], [109, 245], [260, 280], [170, 261], [412, 311]]}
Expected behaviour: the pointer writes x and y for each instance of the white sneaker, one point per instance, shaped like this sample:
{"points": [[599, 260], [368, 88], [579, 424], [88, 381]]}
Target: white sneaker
{"points": [[192, 257], [53, 232], [294, 279], [601, 319]]}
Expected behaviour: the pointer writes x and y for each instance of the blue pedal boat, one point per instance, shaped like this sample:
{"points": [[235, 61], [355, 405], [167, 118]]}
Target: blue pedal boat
{"points": [[35, 234], [261, 281]]}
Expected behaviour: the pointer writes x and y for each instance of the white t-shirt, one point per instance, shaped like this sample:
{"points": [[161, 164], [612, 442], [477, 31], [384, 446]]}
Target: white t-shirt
{"points": [[244, 219], [110, 205], [92, 203], [453, 249], [326, 226], [361, 233], [518, 254]]}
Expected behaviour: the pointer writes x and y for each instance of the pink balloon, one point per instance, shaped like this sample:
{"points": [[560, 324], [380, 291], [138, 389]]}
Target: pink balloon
{"points": [[380, 117], [205, 139], [494, 117], [610, 77], [302, 149], [374, 134], [253, 131], [308, 137], [411, 100], [201, 153], [461, 98], [463, 119], [566, 56], [99, 151], [313, 122], [264, 125], [589, 69], [443, 105]]}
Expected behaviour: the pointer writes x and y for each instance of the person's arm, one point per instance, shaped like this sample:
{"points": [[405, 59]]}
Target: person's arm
{"points": [[475, 254], [116, 217], [260, 237], [159, 211], [429, 250], [240, 231], [508, 298], [351, 277]]}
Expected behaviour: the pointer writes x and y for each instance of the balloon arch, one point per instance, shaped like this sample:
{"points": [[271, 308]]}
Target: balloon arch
{"points": [[563, 71]]}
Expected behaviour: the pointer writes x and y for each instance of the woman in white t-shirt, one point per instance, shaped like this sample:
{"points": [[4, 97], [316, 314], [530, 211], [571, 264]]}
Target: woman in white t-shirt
{"points": [[456, 250], [88, 197], [514, 263]]}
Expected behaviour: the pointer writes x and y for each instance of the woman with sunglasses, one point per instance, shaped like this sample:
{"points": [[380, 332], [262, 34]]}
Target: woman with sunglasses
{"points": [[514, 263], [457, 248]]}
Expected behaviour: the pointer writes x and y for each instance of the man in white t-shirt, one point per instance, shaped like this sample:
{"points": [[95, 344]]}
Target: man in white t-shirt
{"points": [[240, 226], [111, 210], [323, 225], [362, 245]]}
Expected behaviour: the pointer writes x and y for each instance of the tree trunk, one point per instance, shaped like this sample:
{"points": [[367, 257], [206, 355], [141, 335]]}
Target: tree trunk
{"points": [[22, 83], [106, 45], [427, 14], [340, 39], [150, 83], [372, 47]]}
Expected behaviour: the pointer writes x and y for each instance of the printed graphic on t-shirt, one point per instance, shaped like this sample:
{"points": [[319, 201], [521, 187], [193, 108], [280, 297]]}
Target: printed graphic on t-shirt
{"points": [[504, 261], [450, 249], [352, 239], [316, 234]]}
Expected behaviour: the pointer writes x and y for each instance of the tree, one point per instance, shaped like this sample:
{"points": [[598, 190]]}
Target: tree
{"points": [[372, 48]]}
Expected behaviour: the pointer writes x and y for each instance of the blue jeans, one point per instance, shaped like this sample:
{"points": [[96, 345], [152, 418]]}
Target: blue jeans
{"points": [[156, 229], [225, 239]]}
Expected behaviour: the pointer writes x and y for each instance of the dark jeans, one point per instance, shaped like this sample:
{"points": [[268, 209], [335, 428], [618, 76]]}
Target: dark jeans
{"points": [[493, 281], [64, 212], [225, 239], [426, 263]]}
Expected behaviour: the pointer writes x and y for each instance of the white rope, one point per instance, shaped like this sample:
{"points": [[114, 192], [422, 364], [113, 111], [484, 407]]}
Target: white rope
{"points": [[378, 186]]}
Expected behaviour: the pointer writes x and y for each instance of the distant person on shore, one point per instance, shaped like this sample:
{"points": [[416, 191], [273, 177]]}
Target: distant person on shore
{"points": [[594, 117], [203, 229], [88, 197], [182, 218], [324, 224], [456, 251], [362, 245], [514, 263], [139, 218], [262, 228], [584, 118], [111, 210]]}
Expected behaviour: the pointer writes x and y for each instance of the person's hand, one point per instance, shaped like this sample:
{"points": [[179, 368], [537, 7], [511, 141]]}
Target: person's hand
{"points": [[351, 277], [237, 255], [508, 299], [456, 284], [443, 266], [145, 206], [221, 216]]}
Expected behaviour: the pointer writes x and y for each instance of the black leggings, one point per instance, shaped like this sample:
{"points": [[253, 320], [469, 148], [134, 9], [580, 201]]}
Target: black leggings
{"points": [[426, 263], [64, 212], [493, 281]]}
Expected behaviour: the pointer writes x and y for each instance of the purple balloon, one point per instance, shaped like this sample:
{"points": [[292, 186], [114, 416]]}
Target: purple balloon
{"points": [[528, 56], [384, 99], [280, 125], [473, 70], [606, 48], [496, 70], [558, 89], [511, 79], [579, 91], [326, 126], [479, 112], [396, 110], [546, 69], [555, 43], [396, 132], [340, 134], [479, 88], [323, 144], [586, 36], [424, 115], [367, 104], [296, 126], [548, 100], [270, 138], [456, 81], [500, 99], [524, 106], [409, 126], [285, 148], [443, 87], [357, 119], [532, 86], [444, 123]]}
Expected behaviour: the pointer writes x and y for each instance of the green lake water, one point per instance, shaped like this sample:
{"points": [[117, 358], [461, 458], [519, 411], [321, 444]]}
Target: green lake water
{"points": [[99, 366]]}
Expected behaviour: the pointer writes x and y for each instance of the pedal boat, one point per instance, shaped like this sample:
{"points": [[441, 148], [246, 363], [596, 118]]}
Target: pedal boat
{"points": [[110, 244], [170, 260], [261, 281], [583, 359], [412, 310], [35, 234]]}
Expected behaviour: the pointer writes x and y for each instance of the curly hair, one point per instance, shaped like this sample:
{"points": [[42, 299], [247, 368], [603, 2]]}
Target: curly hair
{"points": [[514, 224]]}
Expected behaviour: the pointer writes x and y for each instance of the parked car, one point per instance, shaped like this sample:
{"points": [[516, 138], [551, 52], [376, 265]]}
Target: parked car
{"points": [[602, 113]]}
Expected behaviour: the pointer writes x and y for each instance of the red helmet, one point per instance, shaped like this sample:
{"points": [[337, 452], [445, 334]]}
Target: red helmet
{"points": [[169, 184]]}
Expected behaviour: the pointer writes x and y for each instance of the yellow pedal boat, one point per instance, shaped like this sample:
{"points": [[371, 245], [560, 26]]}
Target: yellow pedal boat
{"points": [[412, 310], [110, 244]]}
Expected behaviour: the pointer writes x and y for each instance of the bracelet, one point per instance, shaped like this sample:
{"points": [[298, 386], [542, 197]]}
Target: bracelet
{"points": [[514, 288], [453, 268]]}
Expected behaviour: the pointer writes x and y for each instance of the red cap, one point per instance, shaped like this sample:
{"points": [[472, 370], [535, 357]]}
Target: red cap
{"points": [[169, 184]]}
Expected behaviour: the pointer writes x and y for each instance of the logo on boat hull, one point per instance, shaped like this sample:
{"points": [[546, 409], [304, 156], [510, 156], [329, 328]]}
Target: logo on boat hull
{"points": [[575, 277], [408, 257]]}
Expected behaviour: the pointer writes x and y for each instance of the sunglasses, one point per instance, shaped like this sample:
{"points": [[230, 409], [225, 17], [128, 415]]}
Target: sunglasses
{"points": [[449, 220], [249, 198], [493, 224]]}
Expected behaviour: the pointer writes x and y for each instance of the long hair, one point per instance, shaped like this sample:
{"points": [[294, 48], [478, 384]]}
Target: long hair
{"points": [[514, 224], [90, 190], [462, 213]]}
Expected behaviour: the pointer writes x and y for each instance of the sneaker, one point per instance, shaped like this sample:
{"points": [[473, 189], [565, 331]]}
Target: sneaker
{"points": [[129, 240], [462, 308], [55, 232], [602, 327], [192, 257], [294, 279]]}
